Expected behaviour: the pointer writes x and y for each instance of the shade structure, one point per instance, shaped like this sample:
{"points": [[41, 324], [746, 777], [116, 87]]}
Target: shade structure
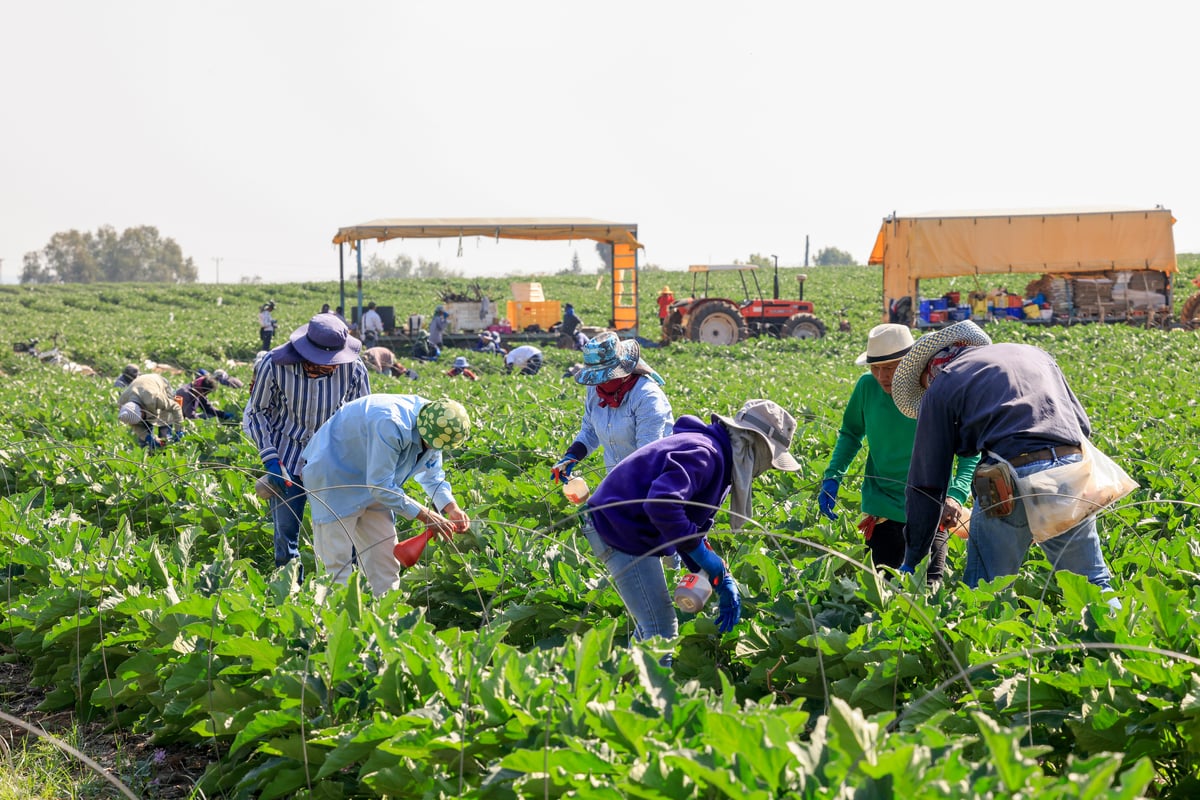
{"points": [[940, 244]]}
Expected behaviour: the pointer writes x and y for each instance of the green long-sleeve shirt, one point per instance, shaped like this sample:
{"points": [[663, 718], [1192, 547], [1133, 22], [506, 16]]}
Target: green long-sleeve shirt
{"points": [[872, 415]]}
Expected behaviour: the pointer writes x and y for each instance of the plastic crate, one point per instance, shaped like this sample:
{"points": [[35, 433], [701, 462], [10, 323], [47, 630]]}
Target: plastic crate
{"points": [[543, 314], [527, 292]]}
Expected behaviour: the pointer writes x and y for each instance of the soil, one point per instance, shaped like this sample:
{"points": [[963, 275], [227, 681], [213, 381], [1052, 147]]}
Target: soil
{"points": [[150, 771]]}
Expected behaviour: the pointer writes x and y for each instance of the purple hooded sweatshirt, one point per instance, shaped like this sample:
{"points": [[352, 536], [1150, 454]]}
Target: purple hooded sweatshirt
{"points": [[692, 464]]}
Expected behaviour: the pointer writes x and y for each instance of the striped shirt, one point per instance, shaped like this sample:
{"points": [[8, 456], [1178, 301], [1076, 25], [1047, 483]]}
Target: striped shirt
{"points": [[287, 407]]}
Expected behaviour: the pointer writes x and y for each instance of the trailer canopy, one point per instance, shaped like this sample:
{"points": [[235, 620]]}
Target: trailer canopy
{"points": [[530, 228], [1059, 241], [622, 237]]}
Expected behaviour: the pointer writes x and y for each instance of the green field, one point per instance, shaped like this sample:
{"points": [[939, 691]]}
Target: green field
{"points": [[140, 593]]}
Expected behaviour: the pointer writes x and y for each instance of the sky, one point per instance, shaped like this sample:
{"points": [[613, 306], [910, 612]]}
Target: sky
{"points": [[250, 132]]}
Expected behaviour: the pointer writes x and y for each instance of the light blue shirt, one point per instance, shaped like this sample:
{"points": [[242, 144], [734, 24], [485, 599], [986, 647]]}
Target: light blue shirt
{"points": [[644, 416], [365, 454]]}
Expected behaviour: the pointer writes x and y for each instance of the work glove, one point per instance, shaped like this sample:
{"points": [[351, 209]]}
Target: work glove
{"points": [[177, 435], [561, 470], [276, 476], [730, 606], [224, 415], [702, 557], [827, 499], [150, 443], [905, 569]]}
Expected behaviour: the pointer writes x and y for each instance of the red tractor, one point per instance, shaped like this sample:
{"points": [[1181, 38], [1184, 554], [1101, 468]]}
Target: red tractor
{"points": [[718, 320]]}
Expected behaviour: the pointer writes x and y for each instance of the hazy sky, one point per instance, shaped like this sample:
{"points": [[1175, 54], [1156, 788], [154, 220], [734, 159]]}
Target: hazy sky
{"points": [[250, 131]]}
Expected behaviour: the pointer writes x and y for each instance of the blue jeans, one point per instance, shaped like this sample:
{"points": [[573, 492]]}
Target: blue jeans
{"points": [[998, 545], [642, 584], [287, 514]]}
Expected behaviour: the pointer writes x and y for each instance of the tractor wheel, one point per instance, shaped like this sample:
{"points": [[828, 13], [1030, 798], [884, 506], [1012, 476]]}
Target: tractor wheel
{"points": [[1189, 316], [803, 326], [673, 330], [717, 322]]}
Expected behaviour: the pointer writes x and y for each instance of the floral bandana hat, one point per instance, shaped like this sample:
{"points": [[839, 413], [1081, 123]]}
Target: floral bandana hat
{"points": [[443, 423]]}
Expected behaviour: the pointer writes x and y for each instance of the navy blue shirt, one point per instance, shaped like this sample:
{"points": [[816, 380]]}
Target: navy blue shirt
{"points": [[1004, 398]]}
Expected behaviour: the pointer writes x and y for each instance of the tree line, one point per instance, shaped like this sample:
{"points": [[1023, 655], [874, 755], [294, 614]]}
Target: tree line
{"points": [[135, 254]]}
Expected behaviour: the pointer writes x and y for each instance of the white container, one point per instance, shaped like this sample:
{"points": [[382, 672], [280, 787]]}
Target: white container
{"points": [[576, 490], [693, 592]]}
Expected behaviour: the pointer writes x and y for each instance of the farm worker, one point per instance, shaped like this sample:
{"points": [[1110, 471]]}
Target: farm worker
{"points": [[488, 342], [225, 379], [1011, 400], [870, 414], [570, 321], [383, 361], [624, 408], [462, 367], [194, 395], [664, 498], [266, 324], [437, 326], [148, 404], [355, 471], [297, 387], [423, 349], [526, 360], [126, 377], [372, 326], [664, 300]]}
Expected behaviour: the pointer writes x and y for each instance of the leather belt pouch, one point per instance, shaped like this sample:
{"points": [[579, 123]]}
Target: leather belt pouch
{"points": [[993, 489]]}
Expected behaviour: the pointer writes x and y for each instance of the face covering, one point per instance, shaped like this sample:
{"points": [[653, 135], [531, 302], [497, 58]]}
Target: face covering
{"points": [[751, 458], [318, 370]]}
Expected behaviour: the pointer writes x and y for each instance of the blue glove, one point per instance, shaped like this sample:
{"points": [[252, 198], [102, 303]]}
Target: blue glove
{"points": [[730, 607], [562, 468], [702, 557], [177, 435], [150, 443], [225, 415], [277, 477], [905, 569], [827, 499]]}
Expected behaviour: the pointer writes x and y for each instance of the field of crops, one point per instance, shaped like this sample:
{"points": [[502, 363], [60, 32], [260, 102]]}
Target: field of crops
{"points": [[140, 589]]}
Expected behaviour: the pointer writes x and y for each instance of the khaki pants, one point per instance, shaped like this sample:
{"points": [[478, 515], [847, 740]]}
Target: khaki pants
{"points": [[371, 534]]}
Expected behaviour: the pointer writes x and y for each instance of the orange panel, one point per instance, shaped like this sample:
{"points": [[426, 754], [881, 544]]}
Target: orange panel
{"points": [[624, 283]]}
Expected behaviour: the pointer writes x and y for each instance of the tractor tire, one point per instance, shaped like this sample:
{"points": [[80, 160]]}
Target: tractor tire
{"points": [[673, 330], [803, 326], [1189, 316], [717, 322]]}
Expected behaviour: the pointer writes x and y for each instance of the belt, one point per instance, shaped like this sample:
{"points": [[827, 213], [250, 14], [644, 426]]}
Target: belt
{"points": [[1047, 454]]}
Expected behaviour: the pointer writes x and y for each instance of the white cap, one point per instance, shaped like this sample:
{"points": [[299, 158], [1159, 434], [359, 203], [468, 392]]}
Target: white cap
{"points": [[130, 413]]}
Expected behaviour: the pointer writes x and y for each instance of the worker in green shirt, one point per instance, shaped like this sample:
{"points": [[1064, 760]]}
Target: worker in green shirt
{"points": [[872, 415]]}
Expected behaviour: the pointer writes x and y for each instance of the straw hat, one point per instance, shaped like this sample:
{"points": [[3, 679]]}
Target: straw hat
{"points": [[906, 384], [887, 342], [770, 421]]}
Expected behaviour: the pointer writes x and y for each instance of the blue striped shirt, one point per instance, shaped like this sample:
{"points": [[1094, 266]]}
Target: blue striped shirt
{"points": [[286, 406]]}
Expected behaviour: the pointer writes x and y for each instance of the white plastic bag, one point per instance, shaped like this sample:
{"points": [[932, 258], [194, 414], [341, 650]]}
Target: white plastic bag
{"points": [[1059, 498]]}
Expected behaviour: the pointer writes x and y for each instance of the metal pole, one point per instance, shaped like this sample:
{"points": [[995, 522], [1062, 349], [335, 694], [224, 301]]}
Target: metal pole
{"points": [[358, 248], [806, 250], [776, 276], [342, 276], [217, 259]]}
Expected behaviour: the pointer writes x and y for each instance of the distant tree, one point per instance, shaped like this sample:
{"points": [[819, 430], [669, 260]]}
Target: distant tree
{"points": [[832, 257], [137, 254], [761, 261], [605, 251], [576, 267], [254, 279], [402, 266]]}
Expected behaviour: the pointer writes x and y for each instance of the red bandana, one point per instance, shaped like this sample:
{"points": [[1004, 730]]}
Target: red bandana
{"points": [[614, 391]]}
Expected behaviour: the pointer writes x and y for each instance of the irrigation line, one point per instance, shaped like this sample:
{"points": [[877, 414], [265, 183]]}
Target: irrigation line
{"points": [[73, 752]]}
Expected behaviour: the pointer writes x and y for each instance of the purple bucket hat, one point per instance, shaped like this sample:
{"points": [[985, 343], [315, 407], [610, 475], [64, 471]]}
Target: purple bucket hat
{"points": [[325, 339]]}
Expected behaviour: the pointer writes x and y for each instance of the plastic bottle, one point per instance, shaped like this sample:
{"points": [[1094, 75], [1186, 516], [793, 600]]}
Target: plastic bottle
{"points": [[693, 592], [576, 490]]}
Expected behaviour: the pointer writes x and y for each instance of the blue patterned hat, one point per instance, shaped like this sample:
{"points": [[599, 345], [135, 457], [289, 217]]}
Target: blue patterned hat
{"points": [[607, 357]]}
